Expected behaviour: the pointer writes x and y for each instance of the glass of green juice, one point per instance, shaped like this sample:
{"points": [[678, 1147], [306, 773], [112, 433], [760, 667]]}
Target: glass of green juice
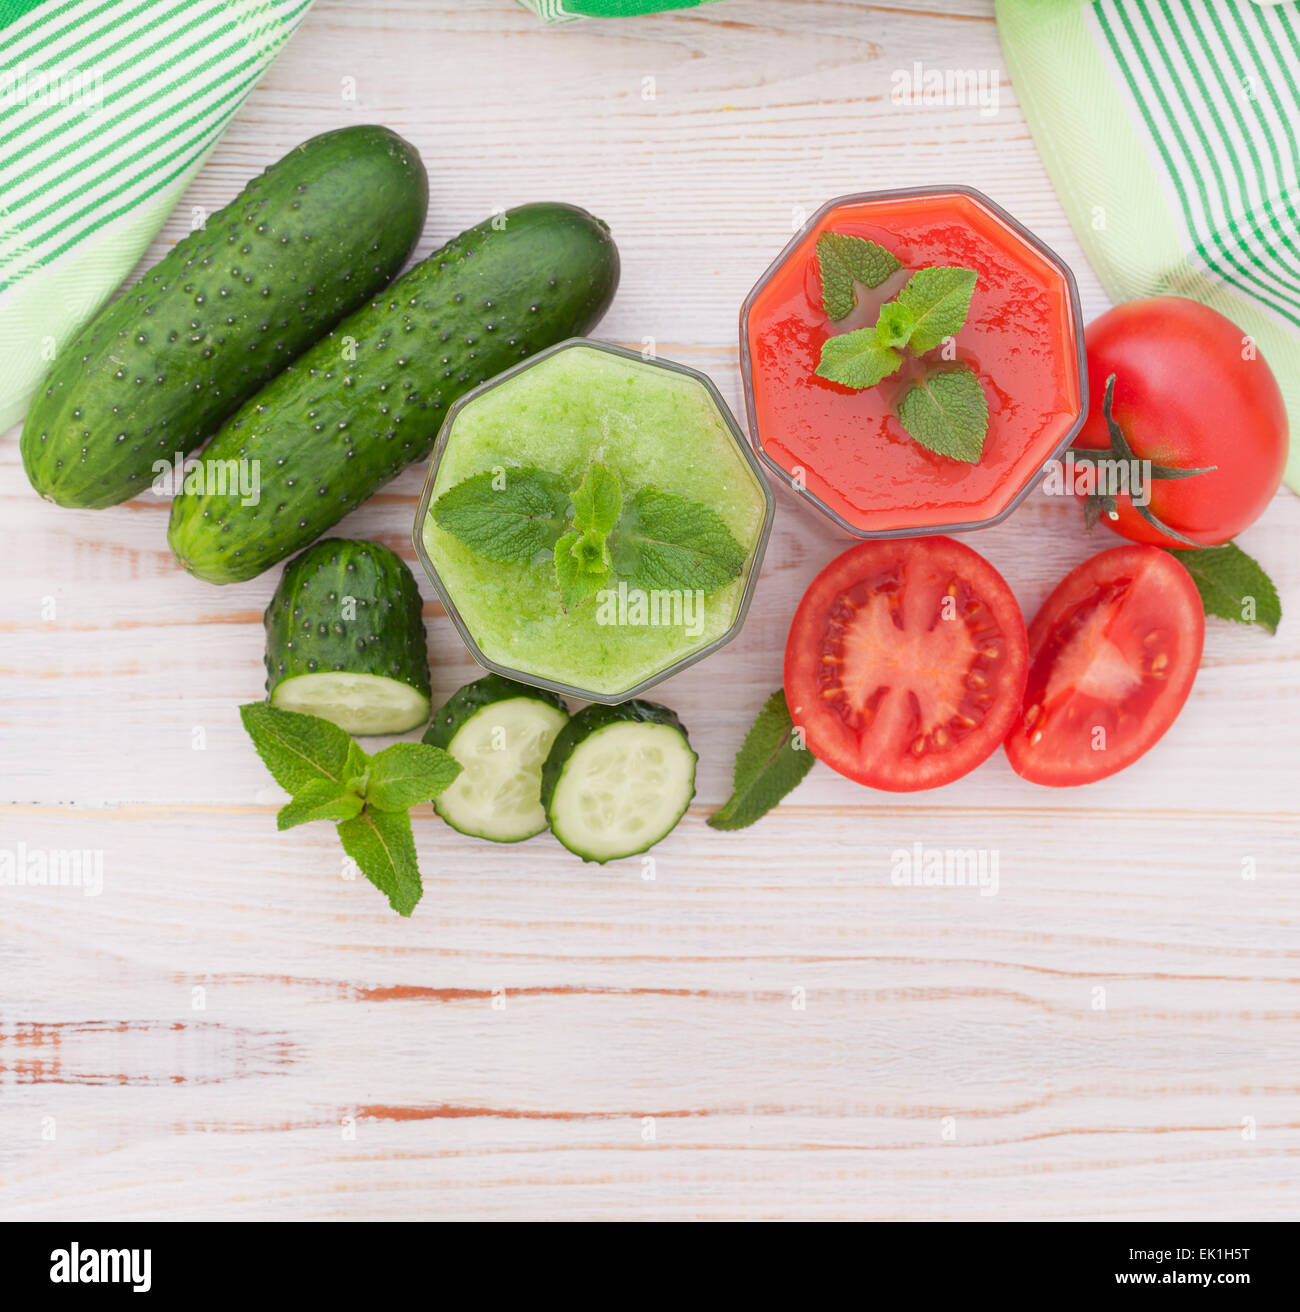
{"points": [[663, 432]]}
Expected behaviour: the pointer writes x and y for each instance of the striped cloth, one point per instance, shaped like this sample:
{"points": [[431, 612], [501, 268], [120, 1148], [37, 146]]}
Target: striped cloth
{"points": [[1171, 129], [565, 11], [107, 110]]}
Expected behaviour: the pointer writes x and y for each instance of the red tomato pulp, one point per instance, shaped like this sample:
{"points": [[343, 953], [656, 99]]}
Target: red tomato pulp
{"points": [[1113, 654], [1020, 337], [906, 662]]}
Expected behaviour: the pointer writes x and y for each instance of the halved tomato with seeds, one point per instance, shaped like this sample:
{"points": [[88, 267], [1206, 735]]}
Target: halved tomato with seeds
{"points": [[906, 662], [1113, 654]]}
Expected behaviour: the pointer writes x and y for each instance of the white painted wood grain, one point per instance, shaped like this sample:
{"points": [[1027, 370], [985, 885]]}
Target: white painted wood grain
{"points": [[346, 1064]]}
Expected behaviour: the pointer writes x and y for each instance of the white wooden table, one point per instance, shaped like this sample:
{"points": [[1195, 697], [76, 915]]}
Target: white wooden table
{"points": [[768, 1028]]}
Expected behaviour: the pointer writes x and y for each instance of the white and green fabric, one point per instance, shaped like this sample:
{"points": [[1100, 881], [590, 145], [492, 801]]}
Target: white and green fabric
{"points": [[1170, 129], [565, 11], [107, 109]]}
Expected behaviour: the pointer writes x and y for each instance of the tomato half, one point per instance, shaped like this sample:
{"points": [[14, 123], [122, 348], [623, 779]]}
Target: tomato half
{"points": [[1113, 654], [906, 662], [1190, 392]]}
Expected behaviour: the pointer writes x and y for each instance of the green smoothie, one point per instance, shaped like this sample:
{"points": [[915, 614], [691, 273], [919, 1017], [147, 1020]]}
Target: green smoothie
{"points": [[654, 428]]}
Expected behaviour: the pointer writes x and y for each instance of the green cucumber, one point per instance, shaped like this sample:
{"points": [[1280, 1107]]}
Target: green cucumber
{"points": [[156, 372], [500, 732], [368, 400], [618, 779], [345, 639]]}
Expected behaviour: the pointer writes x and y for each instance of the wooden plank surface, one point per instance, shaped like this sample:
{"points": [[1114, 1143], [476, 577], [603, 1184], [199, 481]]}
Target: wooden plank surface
{"points": [[759, 1024]]}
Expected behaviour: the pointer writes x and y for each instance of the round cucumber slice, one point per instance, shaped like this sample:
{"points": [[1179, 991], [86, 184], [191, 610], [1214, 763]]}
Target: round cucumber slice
{"points": [[359, 703], [345, 639], [618, 780], [501, 733]]}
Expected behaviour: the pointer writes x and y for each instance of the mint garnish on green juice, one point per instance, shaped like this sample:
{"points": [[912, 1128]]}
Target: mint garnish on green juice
{"points": [[945, 410], [652, 540]]}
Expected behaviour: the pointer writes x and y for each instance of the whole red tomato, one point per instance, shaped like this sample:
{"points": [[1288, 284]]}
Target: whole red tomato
{"points": [[1190, 392]]}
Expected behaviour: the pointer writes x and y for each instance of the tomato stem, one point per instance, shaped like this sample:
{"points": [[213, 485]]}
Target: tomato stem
{"points": [[1120, 450]]}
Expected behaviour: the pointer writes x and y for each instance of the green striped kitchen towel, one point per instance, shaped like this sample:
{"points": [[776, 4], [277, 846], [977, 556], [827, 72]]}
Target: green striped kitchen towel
{"points": [[564, 11], [107, 109], [1169, 128]]}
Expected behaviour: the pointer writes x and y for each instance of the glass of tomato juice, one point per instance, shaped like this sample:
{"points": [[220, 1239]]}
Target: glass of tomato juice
{"points": [[844, 449]]}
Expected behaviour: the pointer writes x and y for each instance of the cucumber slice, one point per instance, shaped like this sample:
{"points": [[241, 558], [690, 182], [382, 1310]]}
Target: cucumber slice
{"points": [[360, 703], [618, 779], [501, 732], [345, 639]]}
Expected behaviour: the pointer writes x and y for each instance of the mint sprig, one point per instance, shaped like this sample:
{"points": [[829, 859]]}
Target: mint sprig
{"points": [[931, 308], [1232, 585], [771, 761], [843, 261], [654, 540], [946, 411], [332, 778]]}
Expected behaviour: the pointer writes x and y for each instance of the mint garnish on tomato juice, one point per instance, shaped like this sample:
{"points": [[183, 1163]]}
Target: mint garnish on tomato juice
{"points": [[945, 410], [594, 534]]}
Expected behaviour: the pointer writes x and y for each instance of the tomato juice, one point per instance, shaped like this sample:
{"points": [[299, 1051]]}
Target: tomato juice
{"points": [[844, 448]]}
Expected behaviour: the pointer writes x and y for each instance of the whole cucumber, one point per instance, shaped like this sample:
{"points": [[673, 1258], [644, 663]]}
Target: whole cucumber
{"points": [[368, 400], [158, 370]]}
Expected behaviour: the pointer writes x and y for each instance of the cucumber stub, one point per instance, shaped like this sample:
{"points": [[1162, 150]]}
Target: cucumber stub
{"points": [[501, 733], [345, 639], [618, 779]]}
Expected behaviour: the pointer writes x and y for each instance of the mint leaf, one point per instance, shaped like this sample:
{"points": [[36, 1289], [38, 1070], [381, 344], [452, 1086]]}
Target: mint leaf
{"points": [[668, 542], [582, 561], [843, 261], [597, 501], [939, 301], [297, 749], [381, 844], [356, 769], [895, 325], [582, 565], [771, 761], [857, 359], [319, 800], [947, 413], [507, 515], [1232, 585], [408, 773]]}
